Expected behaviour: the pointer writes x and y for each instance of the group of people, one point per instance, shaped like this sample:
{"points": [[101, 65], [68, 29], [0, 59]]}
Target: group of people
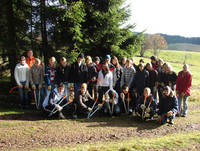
{"points": [[113, 86]]}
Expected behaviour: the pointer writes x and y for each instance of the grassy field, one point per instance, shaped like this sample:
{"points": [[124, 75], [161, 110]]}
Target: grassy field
{"points": [[184, 47], [32, 130]]}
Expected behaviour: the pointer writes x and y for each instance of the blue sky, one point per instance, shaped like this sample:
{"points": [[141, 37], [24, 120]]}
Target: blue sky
{"points": [[173, 17]]}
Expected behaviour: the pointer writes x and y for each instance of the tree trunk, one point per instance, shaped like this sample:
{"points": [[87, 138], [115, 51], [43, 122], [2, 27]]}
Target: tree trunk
{"points": [[12, 49]]}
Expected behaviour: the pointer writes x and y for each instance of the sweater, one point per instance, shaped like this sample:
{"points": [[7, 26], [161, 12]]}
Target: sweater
{"points": [[107, 80], [21, 73], [36, 75]]}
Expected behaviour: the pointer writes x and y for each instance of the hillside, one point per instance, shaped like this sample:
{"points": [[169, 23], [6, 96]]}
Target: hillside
{"points": [[184, 47]]}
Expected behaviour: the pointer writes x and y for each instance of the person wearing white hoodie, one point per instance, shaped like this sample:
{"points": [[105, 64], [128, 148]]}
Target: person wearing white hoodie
{"points": [[21, 74]]}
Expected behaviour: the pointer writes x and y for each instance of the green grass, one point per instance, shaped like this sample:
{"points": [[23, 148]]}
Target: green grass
{"points": [[184, 47], [167, 142]]}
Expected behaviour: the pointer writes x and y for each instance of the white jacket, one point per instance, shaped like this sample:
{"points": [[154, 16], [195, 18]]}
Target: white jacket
{"points": [[107, 80], [21, 73], [116, 96]]}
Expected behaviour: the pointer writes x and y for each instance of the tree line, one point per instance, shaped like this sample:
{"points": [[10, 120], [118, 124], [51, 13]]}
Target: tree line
{"points": [[65, 28]]}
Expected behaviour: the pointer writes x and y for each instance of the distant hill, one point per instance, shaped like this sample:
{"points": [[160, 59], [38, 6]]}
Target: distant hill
{"points": [[184, 47]]}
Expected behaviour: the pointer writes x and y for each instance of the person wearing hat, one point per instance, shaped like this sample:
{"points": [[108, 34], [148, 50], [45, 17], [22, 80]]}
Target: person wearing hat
{"points": [[97, 63], [168, 106], [79, 73], [107, 61]]}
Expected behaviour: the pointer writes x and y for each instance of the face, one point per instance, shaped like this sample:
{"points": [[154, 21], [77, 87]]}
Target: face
{"points": [[124, 61], [167, 92], [52, 62], [125, 91], [97, 62], [37, 64], [146, 93], [107, 60], [23, 61], [141, 68], [61, 90], [87, 61], [63, 63], [185, 68], [148, 67], [114, 61], [160, 63], [30, 54], [153, 61], [83, 90], [79, 60]]}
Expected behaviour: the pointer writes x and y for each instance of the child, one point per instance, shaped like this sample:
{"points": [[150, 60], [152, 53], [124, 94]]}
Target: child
{"points": [[146, 104], [21, 75], [49, 77], [53, 100], [112, 105], [183, 84], [36, 76], [168, 106], [82, 101]]}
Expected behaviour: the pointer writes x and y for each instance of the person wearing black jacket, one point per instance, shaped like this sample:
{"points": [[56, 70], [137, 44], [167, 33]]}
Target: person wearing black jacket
{"points": [[167, 107], [141, 79], [78, 73], [63, 73]]}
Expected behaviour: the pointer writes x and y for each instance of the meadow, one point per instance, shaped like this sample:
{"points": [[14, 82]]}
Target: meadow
{"points": [[32, 130]]}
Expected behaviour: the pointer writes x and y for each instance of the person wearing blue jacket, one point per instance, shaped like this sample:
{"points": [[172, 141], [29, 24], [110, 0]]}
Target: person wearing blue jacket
{"points": [[146, 106], [168, 106]]}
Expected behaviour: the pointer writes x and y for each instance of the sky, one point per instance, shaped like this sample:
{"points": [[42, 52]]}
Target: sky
{"points": [[172, 17]]}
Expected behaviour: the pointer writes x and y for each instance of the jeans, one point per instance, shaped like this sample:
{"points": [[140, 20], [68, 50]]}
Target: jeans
{"points": [[46, 88], [102, 91], [182, 110], [76, 88], [23, 94]]}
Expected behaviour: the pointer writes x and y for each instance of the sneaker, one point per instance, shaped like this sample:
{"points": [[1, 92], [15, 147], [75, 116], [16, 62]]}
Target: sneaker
{"points": [[61, 116], [171, 122], [183, 115]]}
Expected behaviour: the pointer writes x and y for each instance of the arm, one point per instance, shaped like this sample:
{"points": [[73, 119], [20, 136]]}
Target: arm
{"points": [[46, 76], [41, 75], [31, 75], [16, 75]]}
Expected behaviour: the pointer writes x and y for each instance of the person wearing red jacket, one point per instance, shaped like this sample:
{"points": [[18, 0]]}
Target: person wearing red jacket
{"points": [[30, 58], [183, 84]]}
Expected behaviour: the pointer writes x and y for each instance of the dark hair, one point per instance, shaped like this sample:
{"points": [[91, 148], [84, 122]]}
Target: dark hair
{"points": [[111, 93], [61, 85], [154, 58], [124, 86]]}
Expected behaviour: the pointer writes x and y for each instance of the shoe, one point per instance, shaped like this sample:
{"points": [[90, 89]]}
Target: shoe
{"points": [[178, 115], [61, 116], [183, 115], [74, 116], [171, 122]]}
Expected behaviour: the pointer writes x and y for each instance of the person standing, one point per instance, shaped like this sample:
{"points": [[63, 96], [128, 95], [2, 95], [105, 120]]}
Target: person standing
{"points": [[36, 76], [30, 58], [79, 73], [183, 84], [21, 74]]}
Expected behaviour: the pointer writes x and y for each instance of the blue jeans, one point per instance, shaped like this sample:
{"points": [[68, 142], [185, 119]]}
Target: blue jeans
{"points": [[46, 88], [116, 108], [76, 88], [182, 110], [102, 91], [23, 94], [164, 117]]}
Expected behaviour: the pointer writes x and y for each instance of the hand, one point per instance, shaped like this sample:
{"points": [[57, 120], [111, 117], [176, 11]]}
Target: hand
{"points": [[170, 113], [107, 100], [94, 78], [107, 97], [128, 99], [100, 105], [170, 84], [89, 109], [143, 107], [162, 84], [183, 94], [20, 86], [33, 87], [58, 107], [49, 88], [122, 95], [148, 110], [39, 86], [26, 86]]}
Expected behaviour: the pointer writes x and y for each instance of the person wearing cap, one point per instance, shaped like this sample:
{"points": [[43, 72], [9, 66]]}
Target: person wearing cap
{"points": [[183, 84], [97, 63], [78, 73], [82, 101], [21, 74], [168, 106], [110, 65]]}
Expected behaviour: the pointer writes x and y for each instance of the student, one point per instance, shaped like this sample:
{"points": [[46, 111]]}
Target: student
{"points": [[21, 75], [153, 80], [112, 105], [53, 100], [30, 58], [141, 80], [128, 94], [123, 62], [36, 76], [183, 84], [63, 73], [110, 65], [50, 75], [78, 73], [167, 107], [82, 101], [91, 77], [128, 74], [146, 105], [117, 74], [97, 64], [105, 78], [154, 62]]}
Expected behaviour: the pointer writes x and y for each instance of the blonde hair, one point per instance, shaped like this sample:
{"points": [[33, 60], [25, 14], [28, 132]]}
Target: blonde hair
{"points": [[170, 67], [37, 60], [89, 58], [63, 59], [84, 85], [148, 90]]}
